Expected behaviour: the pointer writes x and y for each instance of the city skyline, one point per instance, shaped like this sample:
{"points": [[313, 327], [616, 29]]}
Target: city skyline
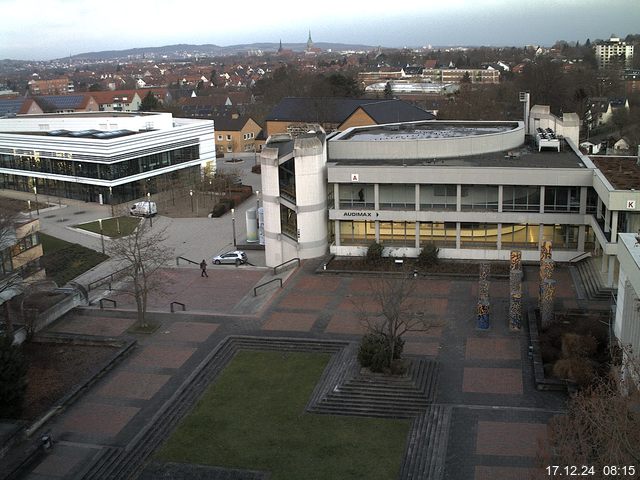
{"points": [[66, 27]]}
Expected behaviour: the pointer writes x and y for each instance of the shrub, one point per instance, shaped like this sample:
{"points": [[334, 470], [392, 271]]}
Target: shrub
{"points": [[428, 255], [374, 352], [256, 169], [374, 254], [219, 209], [578, 370], [13, 378], [574, 345]]}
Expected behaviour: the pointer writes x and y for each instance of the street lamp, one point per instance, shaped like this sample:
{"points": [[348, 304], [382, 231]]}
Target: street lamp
{"points": [[101, 235], [111, 200], [191, 195], [35, 192], [149, 209], [257, 201], [29, 204], [233, 225]]}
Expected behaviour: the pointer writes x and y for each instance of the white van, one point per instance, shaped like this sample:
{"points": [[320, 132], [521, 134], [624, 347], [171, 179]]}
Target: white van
{"points": [[144, 209]]}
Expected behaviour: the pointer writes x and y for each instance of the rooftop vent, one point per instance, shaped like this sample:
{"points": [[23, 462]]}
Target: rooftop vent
{"points": [[546, 138]]}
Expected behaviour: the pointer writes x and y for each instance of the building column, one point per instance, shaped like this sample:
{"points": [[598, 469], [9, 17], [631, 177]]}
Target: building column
{"points": [[614, 226], [417, 198], [336, 232], [500, 196], [458, 198], [376, 203], [542, 199], [336, 196], [582, 234], [377, 231], [612, 269], [603, 266], [540, 235], [583, 200], [417, 235], [599, 208], [607, 220], [458, 230], [499, 241]]}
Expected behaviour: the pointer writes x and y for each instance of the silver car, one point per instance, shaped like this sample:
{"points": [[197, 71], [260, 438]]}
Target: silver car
{"points": [[236, 257]]}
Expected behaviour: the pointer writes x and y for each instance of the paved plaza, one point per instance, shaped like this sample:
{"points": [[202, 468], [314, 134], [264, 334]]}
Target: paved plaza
{"points": [[498, 418]]}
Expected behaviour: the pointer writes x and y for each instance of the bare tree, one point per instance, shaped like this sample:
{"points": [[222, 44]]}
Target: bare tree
{"points": [[398, 311], [11, 283], [142, 254], [601, 426]]}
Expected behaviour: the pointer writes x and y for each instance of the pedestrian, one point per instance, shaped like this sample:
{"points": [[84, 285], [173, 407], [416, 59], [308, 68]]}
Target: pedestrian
{"points": [[203, 268]]}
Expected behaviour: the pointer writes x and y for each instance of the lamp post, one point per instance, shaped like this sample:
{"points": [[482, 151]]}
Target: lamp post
{"points": [[111, 200], [191, 195], [233, 225], [29, 204], [257, 201], [35, 192], [149, 209], [101, 235]]}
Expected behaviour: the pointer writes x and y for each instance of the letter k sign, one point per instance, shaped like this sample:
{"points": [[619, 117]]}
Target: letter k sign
{"points": [[631, 204]]}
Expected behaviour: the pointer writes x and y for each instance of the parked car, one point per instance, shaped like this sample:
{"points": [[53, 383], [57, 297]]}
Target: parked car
{"points": [[237, 257], [144, 209]]}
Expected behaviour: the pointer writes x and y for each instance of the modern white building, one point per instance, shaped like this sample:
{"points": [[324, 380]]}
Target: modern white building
{"points": [[614, 50], [477, 190], [102, 156]]}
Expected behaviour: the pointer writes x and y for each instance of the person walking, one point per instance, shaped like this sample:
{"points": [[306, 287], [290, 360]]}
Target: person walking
{"points": [[203, 268]]}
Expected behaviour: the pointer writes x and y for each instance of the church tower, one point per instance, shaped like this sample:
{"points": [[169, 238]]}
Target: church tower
{"points": [[309, 42]]}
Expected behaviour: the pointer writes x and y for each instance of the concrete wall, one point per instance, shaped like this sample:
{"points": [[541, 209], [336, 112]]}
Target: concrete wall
{"points": [[568, 126]]}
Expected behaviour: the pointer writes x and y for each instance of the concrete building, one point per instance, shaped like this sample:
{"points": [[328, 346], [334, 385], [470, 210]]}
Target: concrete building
{"points": [[56, 86], [100, 156], [236, 133], [614, 50], [477, 190]]}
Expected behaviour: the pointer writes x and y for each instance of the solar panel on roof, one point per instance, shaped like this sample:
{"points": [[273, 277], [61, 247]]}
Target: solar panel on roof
{"points": [[58, 133]]}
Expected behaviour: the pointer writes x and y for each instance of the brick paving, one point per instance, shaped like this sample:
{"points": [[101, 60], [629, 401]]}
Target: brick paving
{"points": [[497, 415]]}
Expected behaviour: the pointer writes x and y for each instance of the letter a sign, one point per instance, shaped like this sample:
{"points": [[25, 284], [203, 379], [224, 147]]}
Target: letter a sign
{"points": [[355, 177]]}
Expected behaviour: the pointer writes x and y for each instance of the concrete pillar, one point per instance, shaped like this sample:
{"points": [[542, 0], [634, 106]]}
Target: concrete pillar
{"points": [[612, 270], [542, 199], [614, 226], [458, 198], [500, 196], [417, 243], [417, 197], [540, 234], [515, 298], [582, 236], [583, 200], [546, 303], [376, 201], [607, 220], [482, 316], [336, 226], [458, 230], [499, 245], [603, 265], [336, 196], [599, 208], [377, 231]]}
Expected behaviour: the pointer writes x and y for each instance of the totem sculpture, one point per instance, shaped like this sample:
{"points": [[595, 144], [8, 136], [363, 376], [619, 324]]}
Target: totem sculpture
{"points": [[515, 291], [546, 301], [483, 298]]}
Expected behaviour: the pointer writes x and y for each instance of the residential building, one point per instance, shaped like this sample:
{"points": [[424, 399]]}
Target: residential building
{"points": [[296, 115], [100, 156], [612, 51], [235, 133], [118, 100], [56, 86], [20, 254], [477, 190]]}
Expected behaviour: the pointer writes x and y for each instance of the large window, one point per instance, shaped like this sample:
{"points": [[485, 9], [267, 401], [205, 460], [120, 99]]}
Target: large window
{"points": [[478, 235], [441, 234], [287, 178], [480, 197], [520, 198], [398, 233], [562, 236], [397, 196], [438, 197], [562, 199], [289, 222], [355, 196], [520, 235], [357, 233]]}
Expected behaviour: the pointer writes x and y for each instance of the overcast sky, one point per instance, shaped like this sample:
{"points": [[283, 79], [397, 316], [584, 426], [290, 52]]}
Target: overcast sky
{"points": [[46, 29]]}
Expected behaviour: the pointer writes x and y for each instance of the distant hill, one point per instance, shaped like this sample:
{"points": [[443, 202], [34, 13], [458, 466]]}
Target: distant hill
{"points": [[187, 50]]}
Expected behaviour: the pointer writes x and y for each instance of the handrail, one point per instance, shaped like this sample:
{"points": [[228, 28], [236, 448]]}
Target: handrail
{"points": [[183, 258], [115, 305], [580, 256], [110, 278], [255, 290], [177, 303], [275, 269]]}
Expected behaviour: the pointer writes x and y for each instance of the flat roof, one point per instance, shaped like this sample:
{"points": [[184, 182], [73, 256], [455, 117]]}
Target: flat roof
{"points": [[526, 156], [426, 130], [623, 173]]}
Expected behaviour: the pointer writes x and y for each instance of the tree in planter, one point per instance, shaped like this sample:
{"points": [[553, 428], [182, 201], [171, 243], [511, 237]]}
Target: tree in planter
{"points": [[374, 254], [142, 255], [428, 255], [13, 378], [398, 311], [602, 424]]}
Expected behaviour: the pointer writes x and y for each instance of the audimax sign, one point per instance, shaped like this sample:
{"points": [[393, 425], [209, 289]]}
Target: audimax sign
{"points": [[360, 214]]}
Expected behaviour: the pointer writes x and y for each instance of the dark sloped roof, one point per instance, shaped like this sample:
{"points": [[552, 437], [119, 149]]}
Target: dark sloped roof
{"points": [[60, 102], [392, 111], [228, 124], [337, 110], [11, 107]]}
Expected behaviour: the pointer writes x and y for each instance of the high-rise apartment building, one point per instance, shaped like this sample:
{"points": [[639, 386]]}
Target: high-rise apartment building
{"points": [[614, 49]]}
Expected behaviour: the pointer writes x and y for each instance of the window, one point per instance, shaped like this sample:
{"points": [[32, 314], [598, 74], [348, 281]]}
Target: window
{"points": [[520, 235], [356, 196], [562, 199], [398, 196], [228, 137], [398, 233], [440, 234], [357, 233], [229, 148], [520, 198], [288, 222], [480, 197], [220, 137], [478, 235], [438, 197]]}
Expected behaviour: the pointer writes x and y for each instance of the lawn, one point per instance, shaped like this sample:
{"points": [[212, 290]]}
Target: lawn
{"points": [[110, 226], [64, 261], [253, 418]]}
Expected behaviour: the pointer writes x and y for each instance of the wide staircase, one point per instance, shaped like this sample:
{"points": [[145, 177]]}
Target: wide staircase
{"points": [[593, 282]]}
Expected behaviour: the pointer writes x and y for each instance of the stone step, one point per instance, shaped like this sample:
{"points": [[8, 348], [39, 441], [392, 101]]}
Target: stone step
{"points": [[427, 444], [592, 281], [378, 412]]}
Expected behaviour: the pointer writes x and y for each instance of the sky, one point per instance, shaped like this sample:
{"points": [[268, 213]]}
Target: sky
{"points": [[48, 29]]}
